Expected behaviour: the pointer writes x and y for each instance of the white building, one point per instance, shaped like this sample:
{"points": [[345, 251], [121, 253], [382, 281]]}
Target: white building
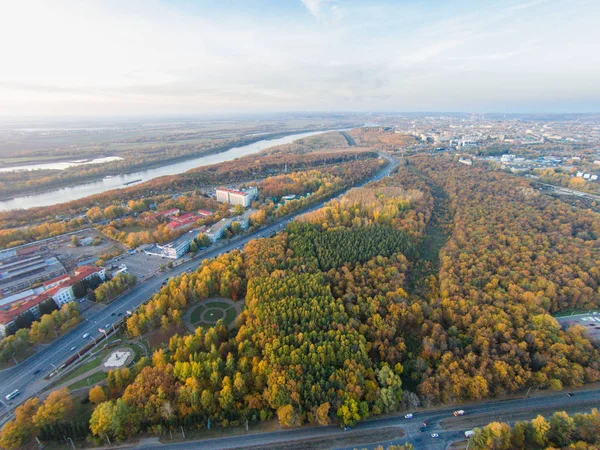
{"points": [[216, 231], [178, 247], [64, 295], [234, 197]]}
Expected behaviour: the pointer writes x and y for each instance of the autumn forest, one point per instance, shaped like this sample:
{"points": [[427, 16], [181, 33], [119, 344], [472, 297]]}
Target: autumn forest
{"points": [[433, 285]]}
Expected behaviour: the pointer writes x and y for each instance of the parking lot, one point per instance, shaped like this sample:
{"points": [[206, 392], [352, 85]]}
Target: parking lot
{"points": [[590, 321], [139, 263]]}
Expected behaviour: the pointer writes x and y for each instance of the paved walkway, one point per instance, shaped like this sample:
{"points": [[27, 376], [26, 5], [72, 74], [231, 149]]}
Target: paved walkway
{"points": [[99, 368]]}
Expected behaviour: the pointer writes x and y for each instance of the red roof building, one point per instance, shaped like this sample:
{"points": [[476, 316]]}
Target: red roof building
{"points": [[185, 221]]}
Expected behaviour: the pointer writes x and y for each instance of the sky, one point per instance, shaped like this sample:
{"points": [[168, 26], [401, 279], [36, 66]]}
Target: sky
{"points": [[185, 57]]}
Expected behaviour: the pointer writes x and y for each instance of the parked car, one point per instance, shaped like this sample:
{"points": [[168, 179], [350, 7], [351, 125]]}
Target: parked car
{"points": [[86, 335], [408, 416], [435, 435], [73, 348]]}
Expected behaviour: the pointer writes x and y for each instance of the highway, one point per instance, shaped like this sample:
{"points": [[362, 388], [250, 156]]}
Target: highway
{"points": [[28, 376], [476, 415]]}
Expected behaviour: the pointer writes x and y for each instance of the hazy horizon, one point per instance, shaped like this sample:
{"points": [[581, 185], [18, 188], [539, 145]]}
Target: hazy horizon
{"points": [[185, 58]]}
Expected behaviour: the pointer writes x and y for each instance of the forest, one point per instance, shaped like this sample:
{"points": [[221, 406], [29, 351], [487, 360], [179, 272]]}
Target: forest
{"points": [[560, 431], [343, 320]]}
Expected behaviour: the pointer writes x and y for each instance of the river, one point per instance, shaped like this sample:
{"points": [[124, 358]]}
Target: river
{"points": [[70, 193], [60, 165]]}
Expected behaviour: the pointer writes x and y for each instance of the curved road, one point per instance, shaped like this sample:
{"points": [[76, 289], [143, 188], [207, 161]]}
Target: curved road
{"points": [[22, 376]]}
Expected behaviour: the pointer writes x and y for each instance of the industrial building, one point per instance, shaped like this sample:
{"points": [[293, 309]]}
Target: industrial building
{"points": [[59, 289], [20, 273]]}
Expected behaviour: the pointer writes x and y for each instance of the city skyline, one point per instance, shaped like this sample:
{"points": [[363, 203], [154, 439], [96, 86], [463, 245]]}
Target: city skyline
{"points": [[182, 57]]}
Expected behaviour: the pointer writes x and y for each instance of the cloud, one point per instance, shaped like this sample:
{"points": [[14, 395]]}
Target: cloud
{"points": [[314, 6], [90, 57], [526, 5]]}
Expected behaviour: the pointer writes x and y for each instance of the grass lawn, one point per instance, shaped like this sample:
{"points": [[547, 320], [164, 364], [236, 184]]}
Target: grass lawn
{"points": [[229, 316], [91, 364], [213, 314], [89, 381], [217, 305], [196, 315]]}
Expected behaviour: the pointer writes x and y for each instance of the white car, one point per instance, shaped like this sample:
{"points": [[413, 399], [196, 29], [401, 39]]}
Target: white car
{"points": [[86, 335], [73, 348], [408, 416], [435, 435]]}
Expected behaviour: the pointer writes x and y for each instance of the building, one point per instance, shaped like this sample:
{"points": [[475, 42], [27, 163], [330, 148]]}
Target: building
{"points": [[176, 248], [20, 273], [59, 289], [467, 162], [204, 213], [216, 231], [86, 241], [234, 197], [87, 272], [179, 247], [9, 315], [56, 281], [167, 213], [183, 222]]}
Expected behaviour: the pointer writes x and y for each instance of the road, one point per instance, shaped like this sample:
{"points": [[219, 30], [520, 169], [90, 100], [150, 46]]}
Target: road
{"points": [[477, 414], [22, 376], [569, 191]]}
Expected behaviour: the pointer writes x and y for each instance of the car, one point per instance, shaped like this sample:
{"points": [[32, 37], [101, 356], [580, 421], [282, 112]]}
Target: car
{"points": [[120, 314], [426, 422], [422, 429], [435, 435], [570, 394], [113, 314], [35, 372], [408, 416], [13, 394], [347, 428], [73, 348], [86, 335], [107, 325]]}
